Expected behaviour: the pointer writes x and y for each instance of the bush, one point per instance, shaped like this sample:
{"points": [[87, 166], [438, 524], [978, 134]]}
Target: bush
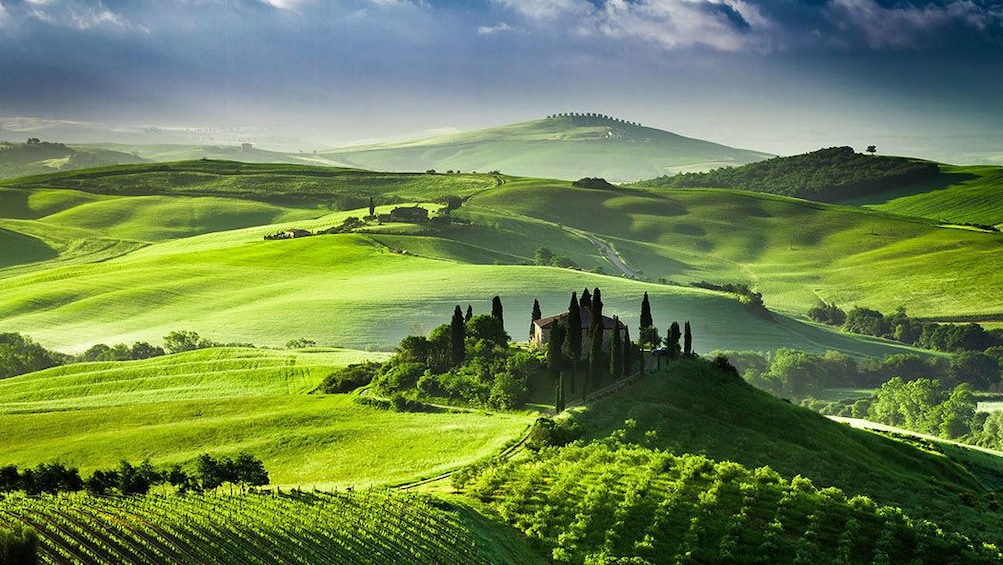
{"points": [[350, 378], [547, 432], [18, 546]]}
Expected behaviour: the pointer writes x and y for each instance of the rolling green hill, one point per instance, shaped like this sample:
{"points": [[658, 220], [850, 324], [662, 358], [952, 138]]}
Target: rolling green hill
{"points": [[793, 251], [629, 489], [22, 159], [964, 194], [826, 175], [556, 147], [171, 409]]}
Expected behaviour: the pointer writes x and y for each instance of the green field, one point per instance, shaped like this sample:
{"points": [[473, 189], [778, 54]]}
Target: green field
{"points": [[171, 409]]}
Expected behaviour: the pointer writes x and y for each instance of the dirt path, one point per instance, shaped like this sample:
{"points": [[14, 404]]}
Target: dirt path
{"points": [[874, 426], [607, 250]]}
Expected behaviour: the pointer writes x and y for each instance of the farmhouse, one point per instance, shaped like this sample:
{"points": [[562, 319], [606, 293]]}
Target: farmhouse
{"points": [[410, 214], [543, 326]]}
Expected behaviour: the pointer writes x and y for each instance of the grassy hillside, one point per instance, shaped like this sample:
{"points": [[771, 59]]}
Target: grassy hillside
{"points": [[793, 251], [170, 409], [556, 147], [22, 159], [629, 489], [358, 293], [368, 527], [963, 194]]}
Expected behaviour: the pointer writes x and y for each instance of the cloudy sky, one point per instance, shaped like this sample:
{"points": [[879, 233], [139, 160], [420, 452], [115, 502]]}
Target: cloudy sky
{"points": [[923, 77]]}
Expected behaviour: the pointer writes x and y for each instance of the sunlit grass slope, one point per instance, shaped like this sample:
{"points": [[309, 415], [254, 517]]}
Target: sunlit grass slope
{"points": [[170, 409], [347, 290], [559, 147], [793, 251], [973, 195]]}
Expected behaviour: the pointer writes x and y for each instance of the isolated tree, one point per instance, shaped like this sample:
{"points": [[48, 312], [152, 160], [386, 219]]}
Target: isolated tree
{"points": [[872, 149], [573, 341], [687, 340], [616, 351], [496, 309], [372, 207], [470, 313], [457, 335], [536, 315], [672, 341]]}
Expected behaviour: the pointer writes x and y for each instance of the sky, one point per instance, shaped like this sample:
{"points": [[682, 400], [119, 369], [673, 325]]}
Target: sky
{"points": [[917, 77]]}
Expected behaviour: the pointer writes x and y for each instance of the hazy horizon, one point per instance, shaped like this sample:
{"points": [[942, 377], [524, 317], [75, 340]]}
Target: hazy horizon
{"points": [[914, 78]]}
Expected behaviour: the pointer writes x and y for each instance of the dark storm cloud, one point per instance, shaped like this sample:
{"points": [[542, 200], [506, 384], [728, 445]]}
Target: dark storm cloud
{"points": [[349, 64]]}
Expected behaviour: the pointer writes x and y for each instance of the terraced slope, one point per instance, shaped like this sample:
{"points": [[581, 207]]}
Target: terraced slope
{"points": [[365, 527]]}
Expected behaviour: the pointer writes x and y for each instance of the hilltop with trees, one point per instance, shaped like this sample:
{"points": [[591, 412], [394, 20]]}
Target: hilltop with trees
{"points": [[827, 175]]}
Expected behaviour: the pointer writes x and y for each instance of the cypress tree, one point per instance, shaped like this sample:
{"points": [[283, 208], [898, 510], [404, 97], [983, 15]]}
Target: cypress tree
{"points": [[470, 313], [573, 340], [555, 362], [628, 353], [585, 301], [687, 340], [372, 207], [596, 331], [457, 334], [646, 321], [496, 309], [616, 351], [536, 315], [672, 342]]}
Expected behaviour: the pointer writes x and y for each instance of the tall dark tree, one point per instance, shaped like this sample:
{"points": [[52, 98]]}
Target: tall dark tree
{"points": [[556, 362], [646, 320], [457, 335], [628, 353], [672, 340], [596, 337], [573, 341], [470, 313], [586, 300], [496, 309], [687, 340], [536, 315], [616, 351], [372, 207]]}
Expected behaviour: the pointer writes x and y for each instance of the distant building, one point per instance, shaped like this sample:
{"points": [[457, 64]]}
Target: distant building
{"points": [[543, 327], [294, 233], [409, 214], [246, 146]]}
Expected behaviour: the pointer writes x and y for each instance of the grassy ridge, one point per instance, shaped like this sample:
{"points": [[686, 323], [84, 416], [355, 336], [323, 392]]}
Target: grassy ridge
{"points": [[281, 183], [170, 409]]}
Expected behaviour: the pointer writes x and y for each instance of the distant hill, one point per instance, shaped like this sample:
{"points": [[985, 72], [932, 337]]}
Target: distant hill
{"points": [[38, 157], [827, 175], [565, 146]]}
